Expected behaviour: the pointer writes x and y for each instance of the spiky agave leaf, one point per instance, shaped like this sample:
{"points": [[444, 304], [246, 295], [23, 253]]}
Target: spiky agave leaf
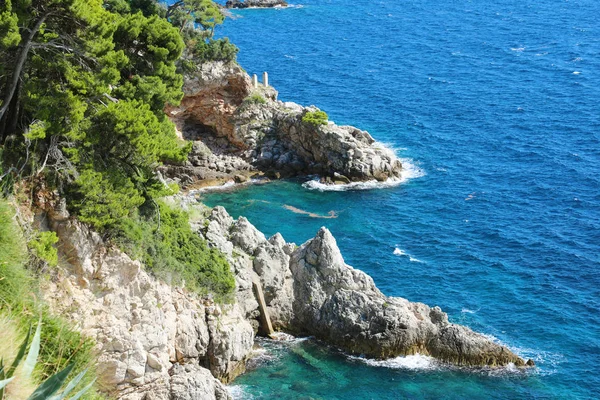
{"points": [[82, 391], [34, 350], [3, 383], [70, 386], [11, 371], [51, 385]]}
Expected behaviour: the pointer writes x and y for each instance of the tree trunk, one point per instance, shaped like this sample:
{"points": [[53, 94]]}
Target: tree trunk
{"points": [[13, 113], [21, 58]]}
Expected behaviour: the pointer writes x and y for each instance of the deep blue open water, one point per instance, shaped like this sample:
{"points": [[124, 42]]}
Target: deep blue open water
{"points": [[495, 107]]}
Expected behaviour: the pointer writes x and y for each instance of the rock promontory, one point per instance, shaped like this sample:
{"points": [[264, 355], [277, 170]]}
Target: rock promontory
{"points": [[240, 128], [342, 306], [310, 290]]}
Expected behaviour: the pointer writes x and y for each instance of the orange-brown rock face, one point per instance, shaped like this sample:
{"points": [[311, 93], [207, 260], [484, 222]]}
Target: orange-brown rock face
{"points": [[211, 99]]}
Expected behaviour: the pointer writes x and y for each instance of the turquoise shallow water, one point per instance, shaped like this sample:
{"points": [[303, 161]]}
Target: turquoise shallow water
{"points": [[495, 106]]}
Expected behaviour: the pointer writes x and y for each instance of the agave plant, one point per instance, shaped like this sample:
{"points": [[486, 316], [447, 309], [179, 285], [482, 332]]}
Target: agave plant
{"points": [[48, 388]]}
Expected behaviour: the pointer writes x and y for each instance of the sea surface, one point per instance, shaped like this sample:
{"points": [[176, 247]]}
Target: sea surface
{"points": [[494, 106]]}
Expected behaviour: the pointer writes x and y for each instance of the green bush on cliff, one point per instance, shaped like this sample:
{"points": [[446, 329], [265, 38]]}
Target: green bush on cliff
{"points": [[214, 50], [254, 98], [42, 247], [315, 118], [166, 244]]}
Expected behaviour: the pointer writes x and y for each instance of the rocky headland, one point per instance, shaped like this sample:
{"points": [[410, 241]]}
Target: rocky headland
{"points": [[255, 3], [157, 341], [240, 130]]}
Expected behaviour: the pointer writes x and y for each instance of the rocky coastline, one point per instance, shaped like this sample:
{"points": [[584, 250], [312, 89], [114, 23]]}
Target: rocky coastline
{"points": [[156, 341], [240, 130], [159, 341], [255, 3]]}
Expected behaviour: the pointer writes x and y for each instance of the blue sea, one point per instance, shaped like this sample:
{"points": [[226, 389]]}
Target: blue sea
{"points": [[494, 107]]}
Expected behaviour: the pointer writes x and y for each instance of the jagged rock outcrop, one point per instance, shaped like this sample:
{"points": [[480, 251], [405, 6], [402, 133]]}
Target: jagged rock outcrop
{"points": [[154, 341], [342, 306], [311, 291], [211, 98], [252, 255], [255, 3], [232, 117]]}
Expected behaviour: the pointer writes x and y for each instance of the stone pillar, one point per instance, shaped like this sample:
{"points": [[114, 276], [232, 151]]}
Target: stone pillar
{"points": [[254, 81], [265, 79], [265, 320]]}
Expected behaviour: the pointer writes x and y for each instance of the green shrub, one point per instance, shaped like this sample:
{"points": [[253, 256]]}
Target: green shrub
{"points": [[173, 252], [15, 282], [61, 345], [315, 118], [42, 247], [254, 98]]}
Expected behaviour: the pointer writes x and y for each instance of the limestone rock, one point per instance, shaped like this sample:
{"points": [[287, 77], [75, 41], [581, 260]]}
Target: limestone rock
{"points": [[271, 263], [147, 332], [212, 96], [244, 128], [192, 382], [232, 338], [156, 341], [311, 290], [342, 306], [246, 236]]}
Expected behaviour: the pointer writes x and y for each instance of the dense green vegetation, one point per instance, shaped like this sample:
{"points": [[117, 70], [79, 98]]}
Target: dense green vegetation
{"points": [[83, 86], [86, 83], [315, 118], [170, 249], [20, 302]]}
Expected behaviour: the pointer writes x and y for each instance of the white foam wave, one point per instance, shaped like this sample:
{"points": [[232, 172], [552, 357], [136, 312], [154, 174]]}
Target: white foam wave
{"points": [[518, 49], [467, 311], [284, 337], [414, 362], [576, 72], [238, 392], [409, 171], [399, 252], [225, 186]]}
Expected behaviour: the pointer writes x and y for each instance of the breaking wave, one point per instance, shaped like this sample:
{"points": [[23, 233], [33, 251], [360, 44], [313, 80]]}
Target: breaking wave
{"points": [[414, 362], [409, 171]]}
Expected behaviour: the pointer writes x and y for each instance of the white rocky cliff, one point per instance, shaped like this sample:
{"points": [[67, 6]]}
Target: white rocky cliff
{"points": [[156, 341]]}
